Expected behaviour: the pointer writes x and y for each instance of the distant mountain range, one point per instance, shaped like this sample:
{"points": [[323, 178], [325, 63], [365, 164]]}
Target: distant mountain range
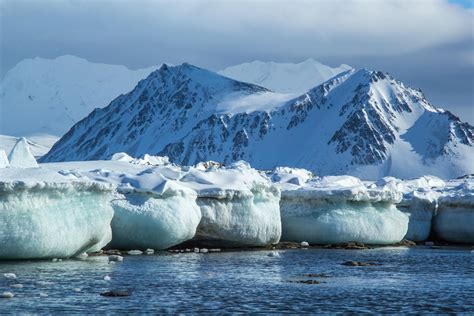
{"points": [[284, 77], [48, 96], [359, 122]]}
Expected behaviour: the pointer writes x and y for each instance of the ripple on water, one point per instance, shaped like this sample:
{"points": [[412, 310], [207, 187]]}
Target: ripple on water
{"points": [[407, 280]]}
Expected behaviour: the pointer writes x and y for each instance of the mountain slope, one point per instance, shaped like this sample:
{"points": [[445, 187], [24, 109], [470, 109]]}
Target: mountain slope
{"points": [[48, 96], [284, 77], [361, 122], [161, 109]]}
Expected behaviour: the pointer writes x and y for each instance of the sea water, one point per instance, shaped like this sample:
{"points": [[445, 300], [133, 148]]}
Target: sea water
{"points": [[404, 280]]}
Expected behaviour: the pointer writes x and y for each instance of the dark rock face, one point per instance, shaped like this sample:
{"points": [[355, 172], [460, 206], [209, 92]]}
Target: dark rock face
{"points": [[115, 294], [360, 264]]}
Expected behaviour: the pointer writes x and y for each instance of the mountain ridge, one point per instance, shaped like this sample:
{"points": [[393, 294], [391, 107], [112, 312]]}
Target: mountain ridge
{"points": [[359, 122]]}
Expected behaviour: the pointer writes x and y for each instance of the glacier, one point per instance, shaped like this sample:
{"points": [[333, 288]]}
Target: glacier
{"points": [[46, 215], [340, 209]]}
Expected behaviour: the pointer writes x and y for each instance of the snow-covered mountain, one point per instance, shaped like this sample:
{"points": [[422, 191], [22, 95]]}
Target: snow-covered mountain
{"points": [[284, 77], [48, 96], [360, 122]]}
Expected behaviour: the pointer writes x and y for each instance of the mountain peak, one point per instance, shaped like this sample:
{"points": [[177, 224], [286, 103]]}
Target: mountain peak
{"points": [[359, 122]]}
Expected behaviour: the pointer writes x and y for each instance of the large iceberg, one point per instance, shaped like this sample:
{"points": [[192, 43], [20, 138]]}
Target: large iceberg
{"points": [[46, 215], [152, 209], [340, 209], [159, 205], [454, 221], [239, 206], [419, 202]]}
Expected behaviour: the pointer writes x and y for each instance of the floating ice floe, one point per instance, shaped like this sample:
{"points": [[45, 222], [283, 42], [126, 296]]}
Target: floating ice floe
{"points": [[46, 215], [7, 295], [340, 209], [239, 206], [10, 275]]}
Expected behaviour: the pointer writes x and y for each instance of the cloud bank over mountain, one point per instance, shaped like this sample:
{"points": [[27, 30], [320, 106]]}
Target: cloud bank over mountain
{"points": [[426, 43]]}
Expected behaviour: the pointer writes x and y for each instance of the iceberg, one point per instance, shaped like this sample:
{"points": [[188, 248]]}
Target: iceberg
{"points": [[150, 220], [340, 209], [239, 206], [4, 163], [46, 215], [419, 202], [21, 156], [152, 208], [454, 221]]}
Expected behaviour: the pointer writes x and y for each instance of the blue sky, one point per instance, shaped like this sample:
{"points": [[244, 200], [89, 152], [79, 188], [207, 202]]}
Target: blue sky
{"points": [[465, 3], [426, 43]]}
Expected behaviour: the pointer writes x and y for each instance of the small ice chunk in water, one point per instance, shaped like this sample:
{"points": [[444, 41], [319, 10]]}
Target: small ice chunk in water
{"points": [[17, 286], [107, 278], [10, 275], [149, 251], [83, 255], [42, 294], [135, 252], [196, 249], [204, 250], [274, 254], [115, 258], [77, 289], [7, 295], [304, 244]]}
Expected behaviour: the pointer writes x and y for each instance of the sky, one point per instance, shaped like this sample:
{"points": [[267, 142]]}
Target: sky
{"points": [[428, 44]]}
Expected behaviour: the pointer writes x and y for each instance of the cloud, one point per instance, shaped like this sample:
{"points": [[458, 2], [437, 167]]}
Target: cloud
{"points": [[210, 29], [392, 34]]}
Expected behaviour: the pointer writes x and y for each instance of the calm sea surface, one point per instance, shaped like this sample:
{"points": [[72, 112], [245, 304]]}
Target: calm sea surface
{"points": [[407, 280]]}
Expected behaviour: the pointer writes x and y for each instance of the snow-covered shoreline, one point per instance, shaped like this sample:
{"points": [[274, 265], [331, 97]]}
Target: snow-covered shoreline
{"points": [[157, 205]]}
